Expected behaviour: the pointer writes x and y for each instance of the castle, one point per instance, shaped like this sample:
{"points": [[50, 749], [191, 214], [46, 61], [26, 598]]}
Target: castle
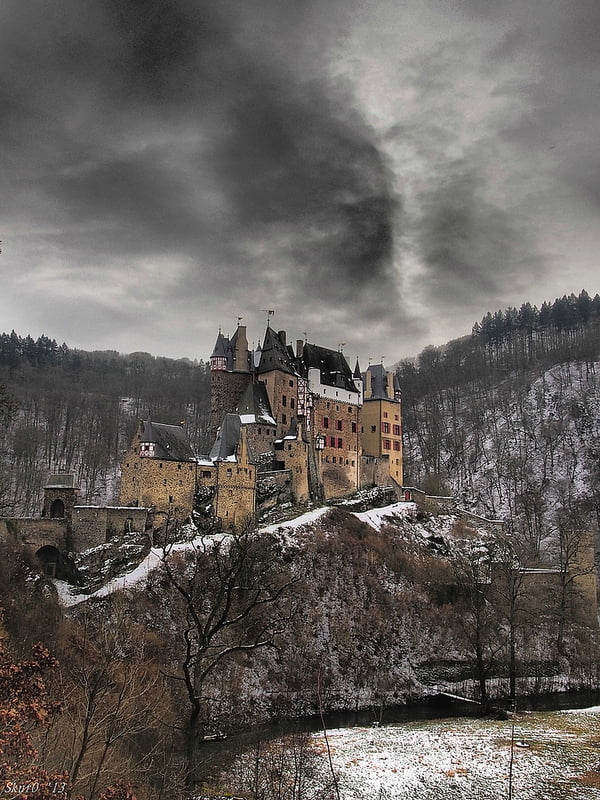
{"points": [[294, 424]]}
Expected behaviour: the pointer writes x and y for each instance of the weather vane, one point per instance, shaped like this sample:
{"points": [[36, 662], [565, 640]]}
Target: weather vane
{"points": [[269, 312]]}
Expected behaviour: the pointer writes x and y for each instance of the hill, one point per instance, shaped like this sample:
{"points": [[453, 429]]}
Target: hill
{"points": [[75, 411], [508, 419]]}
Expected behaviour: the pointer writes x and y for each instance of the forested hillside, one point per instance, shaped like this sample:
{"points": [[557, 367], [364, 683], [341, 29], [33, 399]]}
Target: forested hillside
{"points": [[508, 419], [505, 418], [75, 411]]}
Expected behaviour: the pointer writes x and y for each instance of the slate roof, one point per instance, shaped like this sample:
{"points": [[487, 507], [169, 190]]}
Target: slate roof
{"points": [[254, 405], [276, 354], [227, 440], [61, 481], [171, 442], [379, 383], [335, 370], [221, 347]]}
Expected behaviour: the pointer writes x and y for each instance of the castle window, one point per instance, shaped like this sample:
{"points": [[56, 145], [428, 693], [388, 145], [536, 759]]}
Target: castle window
{"points": [[284, 419], [170, 498], [289, 446], [387, 445], [337, 408], [57, 509], [178, 466], [160, 466], [373, 428], [292, 402], [340, 443], [395, 416], [325, 422], [259, 431], [385, 427], [165, 482], [396, 445], [283, 401], [354, 427], [385, 414], [396, 430], [291, 383], [334, 460], [229, 472], [339, 425]]}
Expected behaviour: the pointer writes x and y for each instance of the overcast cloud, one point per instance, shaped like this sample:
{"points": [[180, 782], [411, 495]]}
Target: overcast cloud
{"points": [[378, 173]]}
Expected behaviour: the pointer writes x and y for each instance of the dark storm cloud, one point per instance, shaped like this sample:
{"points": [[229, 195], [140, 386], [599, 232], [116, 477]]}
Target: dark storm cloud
{"points": [[159, 129], [472, 248]]}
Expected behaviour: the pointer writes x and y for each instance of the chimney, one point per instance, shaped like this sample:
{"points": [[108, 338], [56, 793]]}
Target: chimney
{"points": [[282, 337], [299, 348]]}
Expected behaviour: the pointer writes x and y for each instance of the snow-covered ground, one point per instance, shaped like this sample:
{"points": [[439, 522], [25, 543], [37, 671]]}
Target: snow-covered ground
{"points": [[555, 756], [288, 529]]}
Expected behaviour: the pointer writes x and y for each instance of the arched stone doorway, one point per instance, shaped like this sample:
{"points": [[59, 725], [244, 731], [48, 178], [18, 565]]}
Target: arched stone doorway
{"points": [[50, 560], [57, 509]]}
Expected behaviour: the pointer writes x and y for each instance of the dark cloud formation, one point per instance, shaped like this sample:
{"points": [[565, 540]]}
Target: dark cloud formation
{"points": [[161, 129], [378, 172], [474, 250]]}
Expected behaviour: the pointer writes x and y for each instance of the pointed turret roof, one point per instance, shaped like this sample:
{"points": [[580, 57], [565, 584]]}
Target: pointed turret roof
{"points": [[221, 347], [275, 355], [254, 405], [228, 437], [357, 373]]}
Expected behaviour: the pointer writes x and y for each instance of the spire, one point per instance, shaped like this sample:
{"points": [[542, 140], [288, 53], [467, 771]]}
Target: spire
{"points": [[219, 357]]}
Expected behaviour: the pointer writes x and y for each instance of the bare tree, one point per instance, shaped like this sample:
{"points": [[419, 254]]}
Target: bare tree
{"points": [[233, 600], [110, 689]]}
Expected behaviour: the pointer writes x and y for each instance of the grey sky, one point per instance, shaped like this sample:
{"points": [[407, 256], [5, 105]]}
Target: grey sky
{"points": [[379, 173]]}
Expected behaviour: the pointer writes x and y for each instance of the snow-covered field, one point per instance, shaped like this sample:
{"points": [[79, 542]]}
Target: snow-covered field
{"points": [[555, 758]]}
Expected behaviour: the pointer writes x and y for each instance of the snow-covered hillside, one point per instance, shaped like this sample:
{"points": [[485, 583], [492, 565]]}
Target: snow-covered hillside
{"points": [[521, 450]]}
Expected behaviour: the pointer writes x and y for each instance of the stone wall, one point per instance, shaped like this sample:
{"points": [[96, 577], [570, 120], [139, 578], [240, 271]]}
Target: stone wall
{"points": [[374, 471], [226, 390], [293, 453], [339, 461], [282, 389], [235, 494], [36, 532], [169, 486], [94, 525]]}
